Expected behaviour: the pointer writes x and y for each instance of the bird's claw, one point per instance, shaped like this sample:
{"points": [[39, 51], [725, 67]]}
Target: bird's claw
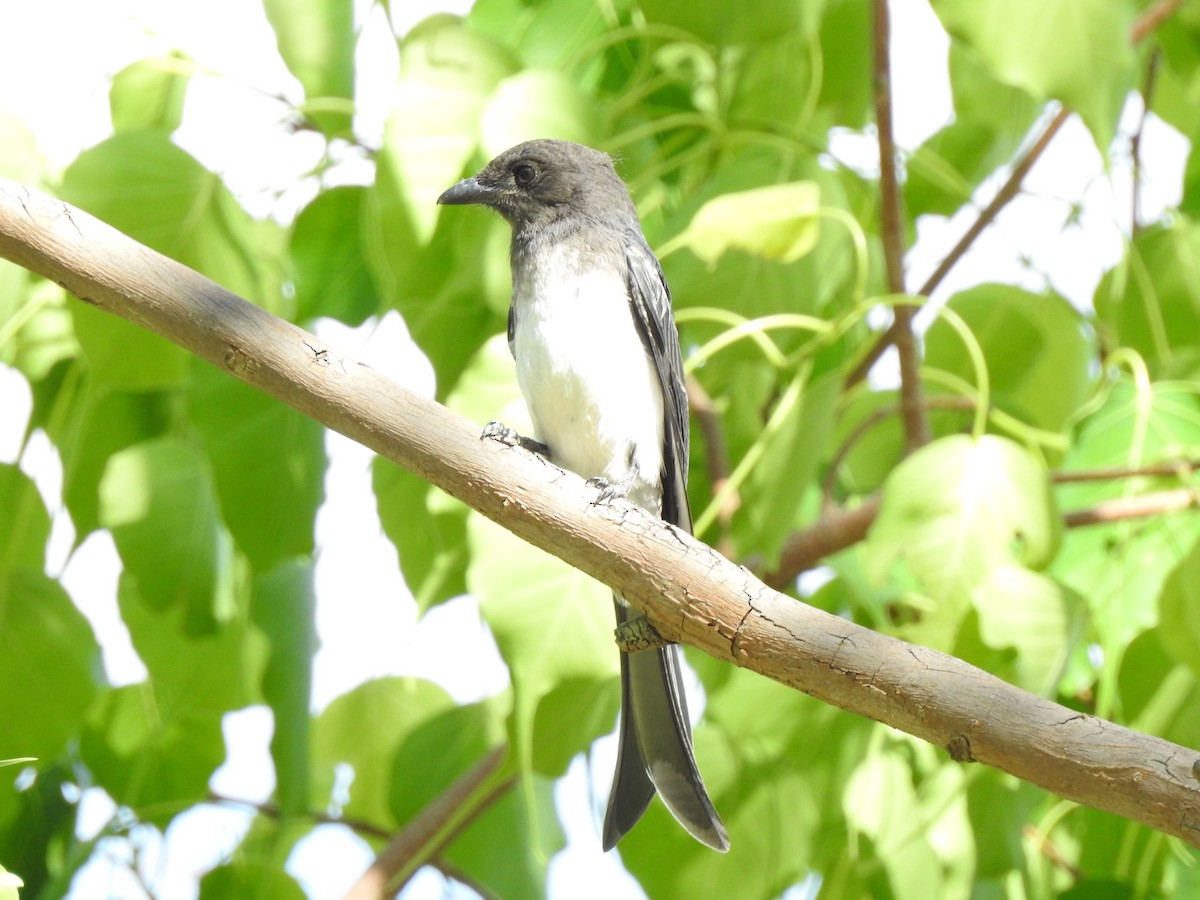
{"points": [[638, 634], [498, 431], [609, 490]]}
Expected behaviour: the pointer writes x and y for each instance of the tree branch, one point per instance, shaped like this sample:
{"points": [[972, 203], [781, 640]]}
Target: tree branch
{"points": [[1146, 23], [430, 831], [689, 592], [916, 425]]}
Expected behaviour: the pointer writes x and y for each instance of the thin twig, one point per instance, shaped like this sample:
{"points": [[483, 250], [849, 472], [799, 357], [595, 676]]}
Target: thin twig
{"points": [[271, 811], [1004, 196], [1177, 467], [832, 532], [838, 529], [1139, 507], [916, 425], [1152, 18]]}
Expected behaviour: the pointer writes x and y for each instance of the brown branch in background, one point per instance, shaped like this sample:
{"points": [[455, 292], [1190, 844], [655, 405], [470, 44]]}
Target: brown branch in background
{"points": [[1172, 467], [916, 425], [838, 529], [833, 532], [1152, 18], [1004, 196], [1135, 145], [717, 455], [271, 811], [425, 835], [1139, 507], [1147, 22]]}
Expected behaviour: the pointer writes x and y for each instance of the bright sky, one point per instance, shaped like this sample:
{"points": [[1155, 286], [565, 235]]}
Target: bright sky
{"points": [[367, 626]]}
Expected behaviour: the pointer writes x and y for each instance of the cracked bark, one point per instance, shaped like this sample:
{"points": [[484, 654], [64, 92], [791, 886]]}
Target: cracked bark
{"points": [[695, 597]]}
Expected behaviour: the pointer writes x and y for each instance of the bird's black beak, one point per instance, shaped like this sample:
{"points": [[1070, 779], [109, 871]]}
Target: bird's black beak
{"points": [[469, 190]]}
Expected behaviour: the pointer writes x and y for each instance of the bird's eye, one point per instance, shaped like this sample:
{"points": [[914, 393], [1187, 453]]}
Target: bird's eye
{"points": [[524, 174]]}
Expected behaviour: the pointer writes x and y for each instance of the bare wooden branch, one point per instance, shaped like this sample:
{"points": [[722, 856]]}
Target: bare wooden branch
{"points": [[690, 593], [916, 423]]}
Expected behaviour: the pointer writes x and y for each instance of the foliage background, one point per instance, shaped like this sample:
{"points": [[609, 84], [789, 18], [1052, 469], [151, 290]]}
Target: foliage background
{"points": [[210, 492]]}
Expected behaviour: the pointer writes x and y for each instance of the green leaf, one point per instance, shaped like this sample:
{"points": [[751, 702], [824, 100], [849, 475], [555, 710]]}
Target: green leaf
{"points": [[142, 184], [1119, 568], [757, 99], [89, 422], [447, 74], [284, 606], [845, 54], [122, 356], [364, 728], [1151, 301], [552, 34], [150, 93], [24, 524], [19, 156], [820, 282], [250, 880], [439, 751], [428, 529], [157, 499], [156, 761], [317, 40], [776, 223], [48, 661], [1075, 51], [1039, 356], [268, 461], [778, 483], [1179, 610], [958, 508], [1027, 611], [719, 24], [552, 624], [568, 717], [218, 670], [32, 820], [881, 804], [326, 251], [537, 103]]}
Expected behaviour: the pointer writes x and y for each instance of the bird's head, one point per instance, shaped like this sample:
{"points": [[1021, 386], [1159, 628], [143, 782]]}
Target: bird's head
{"points": [[539, 183]]}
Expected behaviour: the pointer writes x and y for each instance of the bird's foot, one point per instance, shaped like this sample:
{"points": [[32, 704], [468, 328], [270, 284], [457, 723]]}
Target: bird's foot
{"points": [[498, 431], [638, 634], [610, 490]]}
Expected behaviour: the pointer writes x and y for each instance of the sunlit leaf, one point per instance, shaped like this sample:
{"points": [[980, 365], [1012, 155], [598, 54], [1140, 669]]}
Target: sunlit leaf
{"points": [[1075, 51], [364, 729], [778, 223], [150, 93], [317, 39], [960, 507], [48, 660]]}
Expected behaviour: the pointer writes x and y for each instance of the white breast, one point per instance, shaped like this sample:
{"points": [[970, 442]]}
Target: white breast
{"points": [[592, 390]]}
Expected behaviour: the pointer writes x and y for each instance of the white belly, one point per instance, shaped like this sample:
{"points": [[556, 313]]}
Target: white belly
{"points": [[592, 391]]}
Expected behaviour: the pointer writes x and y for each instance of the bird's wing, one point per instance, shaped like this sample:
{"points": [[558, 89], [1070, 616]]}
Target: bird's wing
{"points": [[651, 301]]}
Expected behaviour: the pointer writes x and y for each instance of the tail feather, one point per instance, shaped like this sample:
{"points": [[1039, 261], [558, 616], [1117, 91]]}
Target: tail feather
{"points": [[655, 750]]}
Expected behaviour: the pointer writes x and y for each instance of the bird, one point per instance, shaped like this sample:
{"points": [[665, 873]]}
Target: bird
{"points": [[599, 364]]}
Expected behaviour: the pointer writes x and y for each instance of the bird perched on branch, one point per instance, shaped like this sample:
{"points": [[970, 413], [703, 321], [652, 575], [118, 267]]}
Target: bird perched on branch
{"points": [[598, 361]]}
